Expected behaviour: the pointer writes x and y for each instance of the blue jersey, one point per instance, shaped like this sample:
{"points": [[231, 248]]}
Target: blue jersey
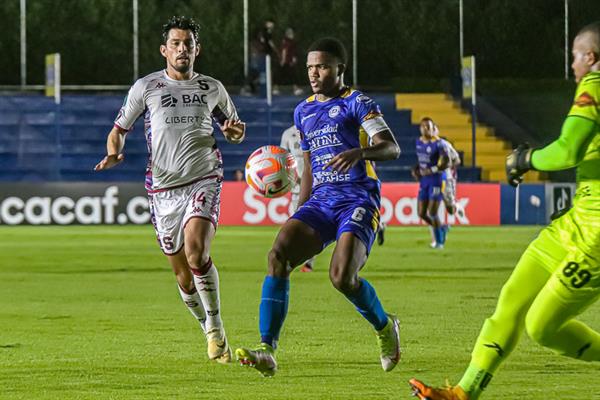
{"points": [[333, 126], [429, 153]]}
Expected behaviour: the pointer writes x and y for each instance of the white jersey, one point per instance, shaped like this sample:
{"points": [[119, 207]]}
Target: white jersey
{"points": [[290, 140], [451, 153], [178, 118]]}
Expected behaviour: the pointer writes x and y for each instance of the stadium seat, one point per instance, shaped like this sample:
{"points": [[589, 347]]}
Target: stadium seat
{"points": [[33, 147]]}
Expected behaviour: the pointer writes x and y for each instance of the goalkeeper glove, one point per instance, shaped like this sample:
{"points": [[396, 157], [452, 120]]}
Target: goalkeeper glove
{"points": [[517, 163]]}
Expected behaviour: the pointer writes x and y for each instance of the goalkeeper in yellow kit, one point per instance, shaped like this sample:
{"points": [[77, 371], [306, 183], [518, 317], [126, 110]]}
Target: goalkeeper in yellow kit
{"points": [[558, 276]]}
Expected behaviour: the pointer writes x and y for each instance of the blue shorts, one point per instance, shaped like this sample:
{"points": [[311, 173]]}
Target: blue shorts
{"points": [[332, 212], [430, 188]]}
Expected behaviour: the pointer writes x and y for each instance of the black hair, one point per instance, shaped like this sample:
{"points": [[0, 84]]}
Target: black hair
{"points": [[180, 22], [332, 46]]}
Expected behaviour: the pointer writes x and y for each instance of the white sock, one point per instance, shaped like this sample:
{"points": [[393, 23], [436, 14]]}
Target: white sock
{"points": [[194, 304], [208, 289]]}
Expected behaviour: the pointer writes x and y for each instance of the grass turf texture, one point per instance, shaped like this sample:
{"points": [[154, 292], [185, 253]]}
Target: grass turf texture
{"points": [[94, 313]]}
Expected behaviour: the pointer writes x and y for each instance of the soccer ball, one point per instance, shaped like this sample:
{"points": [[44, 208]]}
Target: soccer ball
{"points": [[271, 171]]}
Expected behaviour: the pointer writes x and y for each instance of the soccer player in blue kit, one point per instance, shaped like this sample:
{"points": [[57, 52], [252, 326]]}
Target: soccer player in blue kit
{"points": [[339, 201], [432, 161]]}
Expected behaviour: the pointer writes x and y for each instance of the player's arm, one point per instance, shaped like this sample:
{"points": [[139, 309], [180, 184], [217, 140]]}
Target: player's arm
{"points": [[442, 164], [233, 130], [306, 180], [114, 148], [569, 149], [415, 171], [225, 114], [384, 147], [565, 152], [132, 108], [456, 161]]}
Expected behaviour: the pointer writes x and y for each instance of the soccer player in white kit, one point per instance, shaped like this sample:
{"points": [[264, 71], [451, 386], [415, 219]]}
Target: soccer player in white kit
{"points": [[185, 169], [290, 140], [449, 177]]}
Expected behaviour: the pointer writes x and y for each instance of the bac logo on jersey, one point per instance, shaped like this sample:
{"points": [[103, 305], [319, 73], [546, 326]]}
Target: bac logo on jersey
{"points": [[188, 100], [334, 111], [166, 100], [585, 100], [160, 85]]}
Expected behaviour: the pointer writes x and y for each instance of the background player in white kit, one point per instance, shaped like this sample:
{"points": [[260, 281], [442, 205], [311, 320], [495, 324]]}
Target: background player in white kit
{"points": [[290, 140], [185, 169], [449, 177]]}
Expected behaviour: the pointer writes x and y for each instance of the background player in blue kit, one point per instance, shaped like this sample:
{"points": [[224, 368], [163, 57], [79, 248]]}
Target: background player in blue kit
{"points": [[432, 161], [339, 201]]}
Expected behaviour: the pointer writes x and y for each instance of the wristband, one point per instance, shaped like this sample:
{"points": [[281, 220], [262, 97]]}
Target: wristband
{"points": [[434, 169]]}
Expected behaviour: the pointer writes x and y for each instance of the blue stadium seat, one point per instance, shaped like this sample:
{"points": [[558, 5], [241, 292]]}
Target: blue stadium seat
{"points": [[34, 148]]}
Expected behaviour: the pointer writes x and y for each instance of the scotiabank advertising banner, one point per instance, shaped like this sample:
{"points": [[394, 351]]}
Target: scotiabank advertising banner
{"points": [[126, 203], [242, 206]]}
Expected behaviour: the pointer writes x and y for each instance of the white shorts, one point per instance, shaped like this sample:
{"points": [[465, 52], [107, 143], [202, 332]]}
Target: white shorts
{"points": [[171, 210], [449, 189]]}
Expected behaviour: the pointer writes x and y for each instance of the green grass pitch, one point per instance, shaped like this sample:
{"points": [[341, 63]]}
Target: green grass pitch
{"points": [[94, 313]]}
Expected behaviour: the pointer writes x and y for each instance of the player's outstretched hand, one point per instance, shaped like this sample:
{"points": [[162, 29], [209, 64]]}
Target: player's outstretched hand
{"points": [[109, 162], [415, 171], [345, 160], [233, 130], [517, 163]]}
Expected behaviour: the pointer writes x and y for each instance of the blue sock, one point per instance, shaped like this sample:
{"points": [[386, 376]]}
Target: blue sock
{"points": [[438, 233], [368, 305], [445, 229], [273, 308]]}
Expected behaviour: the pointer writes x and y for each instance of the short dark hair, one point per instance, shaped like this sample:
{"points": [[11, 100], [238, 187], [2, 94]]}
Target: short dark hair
{"points": [[332, 46], [180, 22]]}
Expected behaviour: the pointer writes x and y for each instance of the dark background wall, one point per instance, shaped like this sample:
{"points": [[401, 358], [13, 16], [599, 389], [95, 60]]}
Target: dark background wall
{"points": [[400, 41]]}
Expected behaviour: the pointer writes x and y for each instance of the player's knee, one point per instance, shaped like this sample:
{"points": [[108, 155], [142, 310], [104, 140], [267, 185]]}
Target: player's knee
{"points": [[433, 216], [539, 330], [278, 262], [198, 260], [342, 280]]}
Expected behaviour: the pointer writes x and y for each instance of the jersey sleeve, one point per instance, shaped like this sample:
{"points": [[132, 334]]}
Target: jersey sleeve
{"points": [[569, 149], [578, 129], [587, 99], [450, 151], [303, 143], [369, 115], [224, 109], [133, 106]]}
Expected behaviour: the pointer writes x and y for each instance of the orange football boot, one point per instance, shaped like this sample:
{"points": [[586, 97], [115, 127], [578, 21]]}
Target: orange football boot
{"points": [[424, 392]]}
